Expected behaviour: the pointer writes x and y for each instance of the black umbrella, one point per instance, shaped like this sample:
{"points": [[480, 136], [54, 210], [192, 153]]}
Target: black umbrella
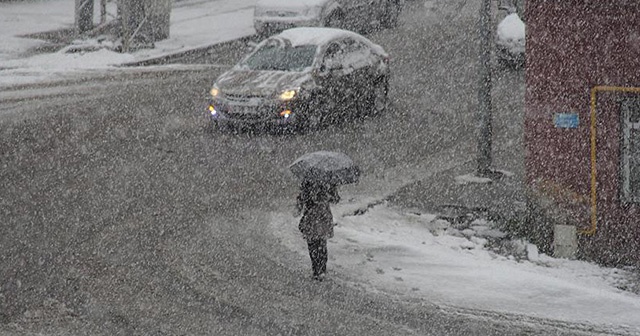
{"points": [[328, 167]]}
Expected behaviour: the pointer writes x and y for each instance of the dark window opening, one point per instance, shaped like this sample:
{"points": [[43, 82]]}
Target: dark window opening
{"points": [[630, 163]]}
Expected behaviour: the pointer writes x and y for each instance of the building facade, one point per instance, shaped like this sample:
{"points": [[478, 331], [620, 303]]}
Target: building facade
{"points": [[582, 123]]}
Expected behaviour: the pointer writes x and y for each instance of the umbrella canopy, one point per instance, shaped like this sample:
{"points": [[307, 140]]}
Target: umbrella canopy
{"points": [[325, 166]]}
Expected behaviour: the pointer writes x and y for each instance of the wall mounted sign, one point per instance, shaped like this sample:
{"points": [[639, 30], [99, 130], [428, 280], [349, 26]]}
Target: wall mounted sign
{"points": [[566, 120]]}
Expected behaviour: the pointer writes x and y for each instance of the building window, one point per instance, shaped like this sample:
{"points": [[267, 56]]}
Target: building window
{"points": [[630, 151]]}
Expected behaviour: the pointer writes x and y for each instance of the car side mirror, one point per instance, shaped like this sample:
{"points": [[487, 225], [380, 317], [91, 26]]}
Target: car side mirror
{"points": [[335, 66], [251, 45], [331, 67]]}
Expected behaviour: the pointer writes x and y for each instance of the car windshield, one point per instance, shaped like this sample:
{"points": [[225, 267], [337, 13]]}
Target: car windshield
{"points": [[281, 58]]}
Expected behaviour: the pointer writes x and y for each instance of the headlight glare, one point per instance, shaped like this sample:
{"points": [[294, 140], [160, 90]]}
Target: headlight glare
{"points": [[285, 114], [288, 94]]}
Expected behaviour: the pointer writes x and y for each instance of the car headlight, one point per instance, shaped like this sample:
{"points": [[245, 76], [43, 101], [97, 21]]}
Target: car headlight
{"points": [[289, 94], [215, 92]]}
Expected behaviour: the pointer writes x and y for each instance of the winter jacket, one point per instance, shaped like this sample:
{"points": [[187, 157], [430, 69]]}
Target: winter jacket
{"points": [[317, 220]]}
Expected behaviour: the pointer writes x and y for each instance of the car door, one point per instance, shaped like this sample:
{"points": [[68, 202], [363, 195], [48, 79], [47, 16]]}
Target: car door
{"points": [[359, 64], [335, 79]]}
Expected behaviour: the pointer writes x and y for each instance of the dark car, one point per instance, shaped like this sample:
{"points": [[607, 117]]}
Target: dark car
{"points": [[272, 16], [301, 78]]}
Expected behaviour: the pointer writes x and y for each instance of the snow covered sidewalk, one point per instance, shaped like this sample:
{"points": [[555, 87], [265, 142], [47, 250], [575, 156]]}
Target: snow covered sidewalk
{"points": [[417, 255], [194, 24]]}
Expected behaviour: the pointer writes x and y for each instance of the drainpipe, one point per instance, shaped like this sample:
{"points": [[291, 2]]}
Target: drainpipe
{"points": [[594, 96]]}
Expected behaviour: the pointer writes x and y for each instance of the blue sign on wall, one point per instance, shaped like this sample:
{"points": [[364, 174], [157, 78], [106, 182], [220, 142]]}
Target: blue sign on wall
{"points": [[566, 120]]}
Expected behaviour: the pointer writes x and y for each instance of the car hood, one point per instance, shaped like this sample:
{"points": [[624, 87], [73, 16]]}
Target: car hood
{"points": [[511, 29], [290, 4], [260, 83]]}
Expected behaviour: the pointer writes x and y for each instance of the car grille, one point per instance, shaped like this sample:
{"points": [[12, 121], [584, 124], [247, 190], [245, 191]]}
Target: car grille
{"points": [[250, 113], [243, 98], [249, 117]]}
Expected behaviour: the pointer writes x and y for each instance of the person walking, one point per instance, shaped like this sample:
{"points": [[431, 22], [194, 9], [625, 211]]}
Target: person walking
{"points": [[316, 224]]}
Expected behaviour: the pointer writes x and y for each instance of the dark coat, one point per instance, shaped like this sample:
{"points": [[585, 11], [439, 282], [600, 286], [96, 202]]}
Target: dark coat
{"points": [[314, 201]]}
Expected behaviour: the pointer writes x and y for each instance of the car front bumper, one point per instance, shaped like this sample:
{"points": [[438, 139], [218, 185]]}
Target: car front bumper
{"points": [[270, 115]]}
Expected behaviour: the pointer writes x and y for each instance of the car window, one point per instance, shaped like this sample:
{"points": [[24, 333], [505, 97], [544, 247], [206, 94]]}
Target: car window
{"points": [[355, 53], [278, 57], [334, 55], [334, 52]]}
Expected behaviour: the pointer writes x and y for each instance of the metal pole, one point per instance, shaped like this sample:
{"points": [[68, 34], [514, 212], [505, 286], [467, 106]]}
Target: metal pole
{"points": [[484, 127], [103, 11], [125, 15]]}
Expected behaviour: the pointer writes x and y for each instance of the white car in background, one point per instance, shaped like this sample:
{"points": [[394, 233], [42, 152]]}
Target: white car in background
{"points": [[273, 16], [510, 40]]}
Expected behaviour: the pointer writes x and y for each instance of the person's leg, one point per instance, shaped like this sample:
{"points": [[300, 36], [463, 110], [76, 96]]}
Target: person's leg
{"points": [[314, 245], [322, 256]]}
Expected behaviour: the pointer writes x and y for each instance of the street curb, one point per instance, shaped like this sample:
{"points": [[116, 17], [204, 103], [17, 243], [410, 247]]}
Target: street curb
{"points": [[159, 60], [186, 53]]}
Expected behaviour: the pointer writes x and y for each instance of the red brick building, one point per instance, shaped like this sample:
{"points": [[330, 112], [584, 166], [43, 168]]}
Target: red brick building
{"points": [[582, 122]]}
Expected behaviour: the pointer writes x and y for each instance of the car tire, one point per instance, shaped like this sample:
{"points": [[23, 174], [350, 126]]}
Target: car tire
{"points": [[215, 127], [508, 61]]}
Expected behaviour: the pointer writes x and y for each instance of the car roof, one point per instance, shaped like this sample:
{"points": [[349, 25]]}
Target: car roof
{"points": [[315, 35]]}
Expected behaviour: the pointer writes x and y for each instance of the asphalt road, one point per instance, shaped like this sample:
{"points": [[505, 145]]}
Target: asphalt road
{"points": [[122, 215]]}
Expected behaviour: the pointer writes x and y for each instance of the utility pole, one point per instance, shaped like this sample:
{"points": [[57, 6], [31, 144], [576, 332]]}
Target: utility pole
{"points": [[124, 13], [484, 118]]}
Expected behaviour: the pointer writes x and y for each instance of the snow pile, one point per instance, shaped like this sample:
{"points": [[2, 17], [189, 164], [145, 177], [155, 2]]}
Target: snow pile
{"points": [[81, 54]]}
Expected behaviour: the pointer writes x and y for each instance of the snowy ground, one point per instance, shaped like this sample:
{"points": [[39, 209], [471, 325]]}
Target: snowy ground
{"points": [[193, 24], [407, 254], [418, 255]]}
